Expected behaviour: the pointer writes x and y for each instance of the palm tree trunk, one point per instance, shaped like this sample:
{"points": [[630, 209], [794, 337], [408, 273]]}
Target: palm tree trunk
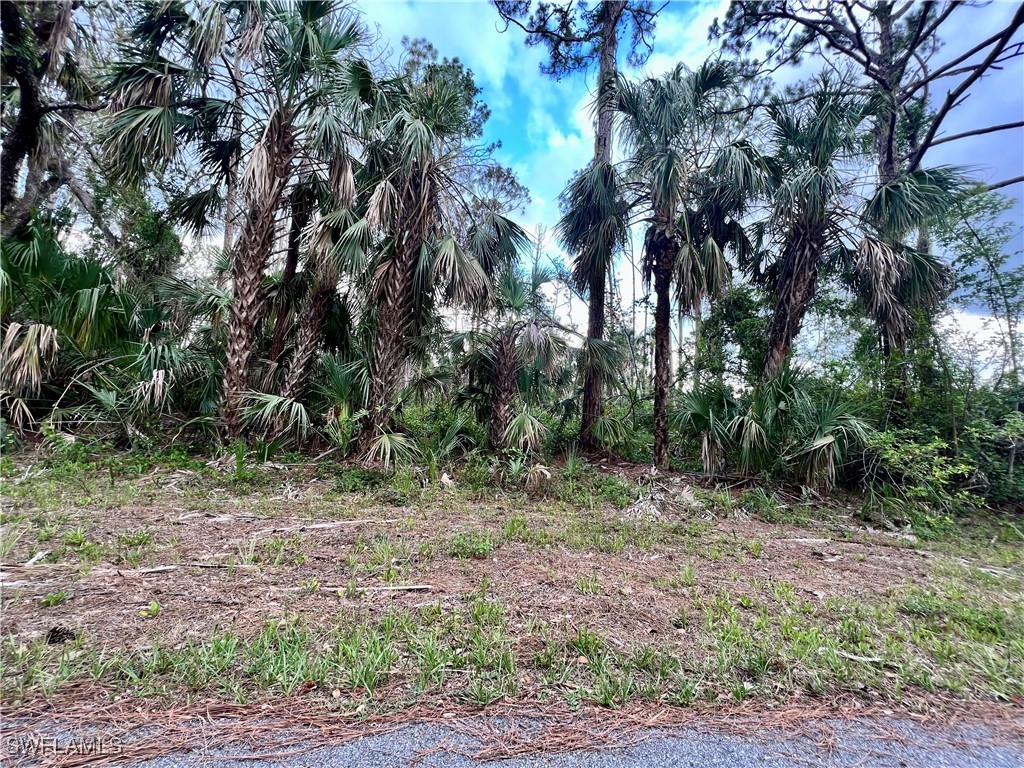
{"points": [[394, 309], [503, 386], [307, 341], [661, 248], [797, 284], [698, 352], [300, 212], [231, 200], [247, 267], [594, 378], [593, 383]]}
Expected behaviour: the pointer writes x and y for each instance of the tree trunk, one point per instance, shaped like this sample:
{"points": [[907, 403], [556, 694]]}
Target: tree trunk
{"points": [[798, 281], [300, 212], [593, 382], [885, 123], [307, 341], [389, 352], [394, 304], [661, 251], [23, 136], [698, 351], [503, 385], [607, 70], [247, 267]]}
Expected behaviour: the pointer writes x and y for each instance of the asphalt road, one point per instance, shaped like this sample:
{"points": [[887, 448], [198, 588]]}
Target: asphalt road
{"points": [[853, 745]]}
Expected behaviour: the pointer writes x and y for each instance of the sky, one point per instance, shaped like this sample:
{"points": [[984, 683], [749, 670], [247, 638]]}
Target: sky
{"points": [[546, 126]]}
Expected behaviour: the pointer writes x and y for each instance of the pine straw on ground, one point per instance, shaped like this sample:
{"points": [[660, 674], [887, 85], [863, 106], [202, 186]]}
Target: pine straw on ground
{"points": [[321, 570], [195, 568], [278, 730]]}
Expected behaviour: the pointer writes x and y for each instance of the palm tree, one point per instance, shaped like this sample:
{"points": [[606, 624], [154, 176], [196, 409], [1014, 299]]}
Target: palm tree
{"points": [[334, 251], [577, 35], [174, 91], [594, 227], [813, 139], [896, 280], [690, 175], [420, 250], [523, 342], [817, 214]]}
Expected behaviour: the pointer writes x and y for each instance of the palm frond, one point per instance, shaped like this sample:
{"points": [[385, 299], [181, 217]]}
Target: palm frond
{"points": [[275, 414], [525, 431], [392, 449], [29, 355]]}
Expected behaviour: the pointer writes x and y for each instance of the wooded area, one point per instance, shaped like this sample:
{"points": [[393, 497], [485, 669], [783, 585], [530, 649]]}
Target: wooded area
{"points": [[258, 261]]}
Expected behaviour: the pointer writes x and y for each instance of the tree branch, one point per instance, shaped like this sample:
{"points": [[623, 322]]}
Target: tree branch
{"points": [[1005, 183], [978, 132], [952, 97], [59, 106], [1002, 36]]}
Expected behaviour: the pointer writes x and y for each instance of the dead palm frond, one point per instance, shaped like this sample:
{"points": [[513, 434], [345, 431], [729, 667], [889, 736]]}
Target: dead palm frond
{"points": [[29, 354]]}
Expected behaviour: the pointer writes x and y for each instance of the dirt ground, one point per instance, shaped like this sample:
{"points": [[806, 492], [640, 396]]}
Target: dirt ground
{"points": [[665, 597], [195, 565]]}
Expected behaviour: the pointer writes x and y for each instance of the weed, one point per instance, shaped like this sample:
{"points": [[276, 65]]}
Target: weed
{"points": [[472, 544], [588, 644], [247, 552], [9, 538], [516, 528], [364, 656], [53, 599], [139, 538], [75, 538], [588, 585]]}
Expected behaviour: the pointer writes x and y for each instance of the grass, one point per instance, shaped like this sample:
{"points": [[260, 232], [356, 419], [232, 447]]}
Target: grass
{"points": [[471, 544], [53, 599], [588, 585], [538, 595], [747, 649]]}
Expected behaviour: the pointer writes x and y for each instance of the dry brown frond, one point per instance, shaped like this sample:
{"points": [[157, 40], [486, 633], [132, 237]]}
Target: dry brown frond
{"points": [[60, 31], [29, 354], [16, 411], [256, 176], [252, 36], [342, 180], [152, 394], [382, 205], [879, 269]]}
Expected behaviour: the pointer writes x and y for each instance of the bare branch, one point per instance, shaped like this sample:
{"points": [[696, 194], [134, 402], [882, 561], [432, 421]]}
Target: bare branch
{"points": [[978, 132], [1005, 183], [60, 106], [952, 97]]}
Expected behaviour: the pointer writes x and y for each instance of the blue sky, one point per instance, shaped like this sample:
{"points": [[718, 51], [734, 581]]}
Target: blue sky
{"points": [[546, 127]]}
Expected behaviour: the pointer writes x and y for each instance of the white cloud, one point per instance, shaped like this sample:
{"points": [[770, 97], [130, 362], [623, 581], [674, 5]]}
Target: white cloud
{"points": [[681, 35], [469, 30]]}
